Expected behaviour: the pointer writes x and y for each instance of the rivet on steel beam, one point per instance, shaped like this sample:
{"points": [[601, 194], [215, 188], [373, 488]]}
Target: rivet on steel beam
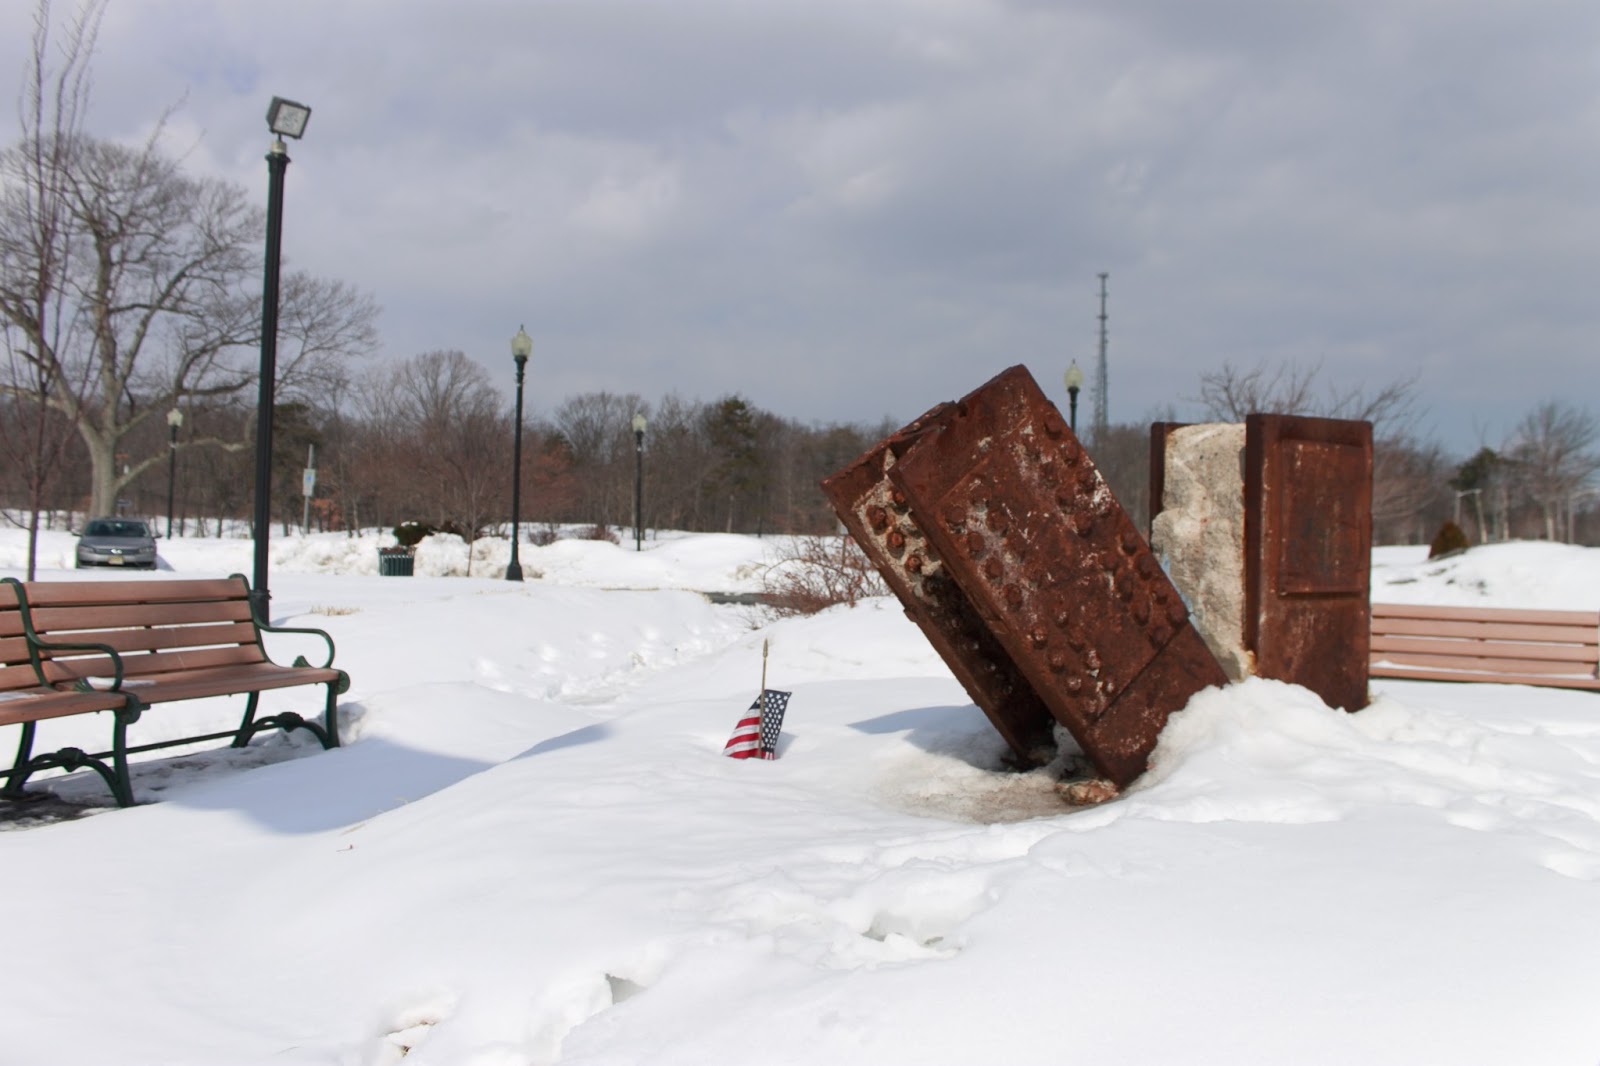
{"points": [[1053, 426], [975, 542], [1083, 522], [914, 563], [878, 517], [1130, 541], [1141, 612], [1057, 661], [1039, 636], [1013, 594], [1074, 685], [955, 517], [996, 519], [1159, 634], [993, 568], [1176, 612], [1091, 659], [1147, 567], [1125, 586], [896, 539], [898, 498]]}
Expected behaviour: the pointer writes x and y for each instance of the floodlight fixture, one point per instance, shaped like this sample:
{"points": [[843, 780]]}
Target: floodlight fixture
{"points": [[287, 118]]}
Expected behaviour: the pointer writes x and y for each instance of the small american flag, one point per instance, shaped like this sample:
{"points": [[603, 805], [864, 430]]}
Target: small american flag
{"points": [[756, 735]]}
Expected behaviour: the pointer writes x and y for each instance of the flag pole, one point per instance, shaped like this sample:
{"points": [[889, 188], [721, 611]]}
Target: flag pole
{"points": [[763, 664]]}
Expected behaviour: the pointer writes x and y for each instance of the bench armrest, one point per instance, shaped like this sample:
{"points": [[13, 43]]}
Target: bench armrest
{"points": [[35, 646], [304, 631]]}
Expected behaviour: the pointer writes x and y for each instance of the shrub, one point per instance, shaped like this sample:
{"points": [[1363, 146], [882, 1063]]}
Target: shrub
{"points": [[598, 532], [1449, 540], [410, 534], [812, 573]]}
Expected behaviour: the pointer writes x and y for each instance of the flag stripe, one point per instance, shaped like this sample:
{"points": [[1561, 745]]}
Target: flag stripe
{"points": [[756, 735]]}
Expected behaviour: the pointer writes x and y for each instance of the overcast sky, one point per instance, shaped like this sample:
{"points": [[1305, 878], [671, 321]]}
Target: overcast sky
{"points": [[851, 209]]}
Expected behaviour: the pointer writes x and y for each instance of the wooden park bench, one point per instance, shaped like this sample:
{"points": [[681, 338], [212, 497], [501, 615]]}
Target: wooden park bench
{"points": [[71, 647], [1504, 645]]}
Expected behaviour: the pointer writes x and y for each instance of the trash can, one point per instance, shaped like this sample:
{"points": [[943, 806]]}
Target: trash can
{"points": [[396, 564]]}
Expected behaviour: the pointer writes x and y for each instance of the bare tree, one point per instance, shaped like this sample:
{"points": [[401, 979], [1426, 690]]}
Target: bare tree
{"points": [[35, 251], [1554, 457], [120, 272], [1408, 474], [450, 440], [1230, 394], [597, 429]]}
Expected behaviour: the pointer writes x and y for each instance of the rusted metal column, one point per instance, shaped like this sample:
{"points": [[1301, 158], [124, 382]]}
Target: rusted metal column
{"points": [[879, 517], [1308, 553], [1044, 556]]}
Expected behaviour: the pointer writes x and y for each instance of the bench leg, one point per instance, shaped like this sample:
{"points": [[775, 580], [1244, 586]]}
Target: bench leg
{"points": [[121, 787], [327, 733], [330, 718], [20, 770], [247, 727], [70, 759]]}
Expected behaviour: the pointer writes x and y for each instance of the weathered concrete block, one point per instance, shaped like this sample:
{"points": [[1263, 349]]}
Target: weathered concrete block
{"points": [[1198, 534]]}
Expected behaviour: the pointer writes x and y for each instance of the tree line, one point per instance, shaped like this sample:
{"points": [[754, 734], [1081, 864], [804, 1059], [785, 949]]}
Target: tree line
{"points": [[129, 290]]}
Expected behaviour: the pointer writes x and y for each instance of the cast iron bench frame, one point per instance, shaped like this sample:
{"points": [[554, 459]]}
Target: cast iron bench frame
{"points": [[1508, 646], [124, 646]]}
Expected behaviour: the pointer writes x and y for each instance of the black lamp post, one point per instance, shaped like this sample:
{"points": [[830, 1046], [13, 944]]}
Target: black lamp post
{"points": [[174, 420], [285, 118], [638, 482], [1074, 382], [521, 348]]}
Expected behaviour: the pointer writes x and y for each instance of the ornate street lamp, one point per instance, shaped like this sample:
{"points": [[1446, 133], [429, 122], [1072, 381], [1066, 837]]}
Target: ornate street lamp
{"points": [[285, 118], [521, 348], [1074, 381], [638, 482], [174, 420]]}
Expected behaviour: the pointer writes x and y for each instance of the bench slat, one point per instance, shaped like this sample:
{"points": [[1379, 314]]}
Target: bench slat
{"points": [[61, 620], [165, 638], [156, 662], [48, 703], [18, 676], [1485, 614], [1581, 635], [1478, 665], [1482, 649], [93, 593], [195, 683], [1542, 680]]}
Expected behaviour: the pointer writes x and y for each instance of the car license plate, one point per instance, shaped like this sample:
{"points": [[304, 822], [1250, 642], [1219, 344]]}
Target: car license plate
{"points": [[116, 560]]}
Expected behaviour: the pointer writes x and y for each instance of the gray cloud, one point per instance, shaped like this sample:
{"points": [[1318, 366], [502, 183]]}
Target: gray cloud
{"points": [[847, 210]]}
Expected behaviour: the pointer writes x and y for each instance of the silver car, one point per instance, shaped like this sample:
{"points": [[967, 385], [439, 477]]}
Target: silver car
{"points": [[117, 542]]}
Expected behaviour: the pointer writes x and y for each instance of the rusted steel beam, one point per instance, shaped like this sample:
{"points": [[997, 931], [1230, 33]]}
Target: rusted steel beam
{"points": [[879, 518], [1027, 529], [1308, 553]]}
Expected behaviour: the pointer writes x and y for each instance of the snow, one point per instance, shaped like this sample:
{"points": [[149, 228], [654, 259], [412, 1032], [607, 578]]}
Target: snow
{"points": [[530, 849]]}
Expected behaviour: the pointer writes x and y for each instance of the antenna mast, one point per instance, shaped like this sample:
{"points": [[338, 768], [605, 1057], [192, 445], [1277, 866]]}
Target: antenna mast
{"points": [[1100, 420]]}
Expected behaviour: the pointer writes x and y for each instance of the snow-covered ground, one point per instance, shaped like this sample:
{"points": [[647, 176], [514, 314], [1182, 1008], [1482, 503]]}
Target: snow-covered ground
{"points": [[530, 849]]}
